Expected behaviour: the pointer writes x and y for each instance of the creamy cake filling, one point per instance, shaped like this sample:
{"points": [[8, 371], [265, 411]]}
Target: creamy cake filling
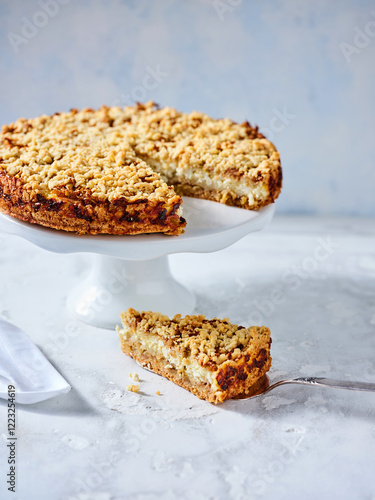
{"points": [[154, 346], [172, 174], [201, 179]]}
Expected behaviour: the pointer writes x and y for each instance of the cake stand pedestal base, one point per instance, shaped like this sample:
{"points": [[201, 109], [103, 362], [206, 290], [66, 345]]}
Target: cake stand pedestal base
{"points": [[133, 271], [115, 284]]}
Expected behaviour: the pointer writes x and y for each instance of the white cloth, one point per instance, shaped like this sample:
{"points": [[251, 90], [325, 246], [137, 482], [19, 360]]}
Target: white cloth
{"points": [[23, 365]]}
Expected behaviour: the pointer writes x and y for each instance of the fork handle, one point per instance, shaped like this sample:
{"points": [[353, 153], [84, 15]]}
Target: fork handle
{"points": [[330, 382]]}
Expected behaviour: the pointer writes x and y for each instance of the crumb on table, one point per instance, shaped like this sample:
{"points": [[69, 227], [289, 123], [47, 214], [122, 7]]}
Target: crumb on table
{"points": [[132, 388], [158, 393], [134, 376]]}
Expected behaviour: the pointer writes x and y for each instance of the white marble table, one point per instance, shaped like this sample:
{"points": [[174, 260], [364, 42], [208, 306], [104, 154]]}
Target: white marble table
{"points": [[311, 280]]}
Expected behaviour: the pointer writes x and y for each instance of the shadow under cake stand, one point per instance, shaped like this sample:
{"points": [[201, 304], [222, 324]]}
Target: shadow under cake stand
{"points": [[133, 271]]}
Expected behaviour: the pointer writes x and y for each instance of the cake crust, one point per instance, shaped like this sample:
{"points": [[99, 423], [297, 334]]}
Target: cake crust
{"points": [[83, 214], [213, 359]]}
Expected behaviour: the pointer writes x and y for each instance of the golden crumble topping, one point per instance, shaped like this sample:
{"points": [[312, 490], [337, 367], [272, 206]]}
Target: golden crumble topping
{"points": [[113, 152], [195, 140], [47, 155], [211, 342]]}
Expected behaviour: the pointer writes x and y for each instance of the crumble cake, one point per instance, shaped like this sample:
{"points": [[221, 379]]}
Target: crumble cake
{"points": [[123, 170], [213, 359]]}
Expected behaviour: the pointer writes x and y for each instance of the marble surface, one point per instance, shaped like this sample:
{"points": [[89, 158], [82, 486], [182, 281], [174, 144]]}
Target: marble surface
{"points": [[311, 280]]}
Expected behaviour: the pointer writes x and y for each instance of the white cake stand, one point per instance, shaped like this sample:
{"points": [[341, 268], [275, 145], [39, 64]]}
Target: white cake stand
{"points": [[133, 271]]}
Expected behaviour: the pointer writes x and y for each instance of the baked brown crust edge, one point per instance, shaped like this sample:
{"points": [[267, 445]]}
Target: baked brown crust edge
{"points": [[235, 379], [81, 213]]}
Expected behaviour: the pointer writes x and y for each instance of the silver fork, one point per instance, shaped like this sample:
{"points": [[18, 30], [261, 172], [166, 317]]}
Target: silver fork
{"points": [[263, 386]]}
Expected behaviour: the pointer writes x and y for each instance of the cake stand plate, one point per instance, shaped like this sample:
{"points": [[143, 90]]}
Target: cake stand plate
{"points": [[133, 271]]}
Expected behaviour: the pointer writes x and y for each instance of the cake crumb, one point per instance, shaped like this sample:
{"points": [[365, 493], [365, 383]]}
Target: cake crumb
{"points": [[134, 376], [132, 388], [158, 393]]}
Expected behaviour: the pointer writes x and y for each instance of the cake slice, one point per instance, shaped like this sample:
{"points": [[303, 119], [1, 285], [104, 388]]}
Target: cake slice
{"points": [[213, 359]]}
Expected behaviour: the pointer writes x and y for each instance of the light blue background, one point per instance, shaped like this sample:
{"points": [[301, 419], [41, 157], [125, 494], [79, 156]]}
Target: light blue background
{"points": [[252, 60]]}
